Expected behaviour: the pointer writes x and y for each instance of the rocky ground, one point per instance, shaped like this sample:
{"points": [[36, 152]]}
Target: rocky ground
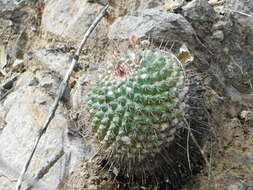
{"points": [[37, 41]]}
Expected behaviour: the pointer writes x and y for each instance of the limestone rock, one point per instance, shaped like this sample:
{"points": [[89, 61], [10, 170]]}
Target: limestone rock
{"points": [[10, 9], [23, 120], [154, 23], [238, 5], [53, 60], [68, 19], [23, 117], [7, 6], [240, 186]]}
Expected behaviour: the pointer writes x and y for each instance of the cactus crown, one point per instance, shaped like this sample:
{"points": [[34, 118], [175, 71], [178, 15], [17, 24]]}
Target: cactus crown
{"points": [[135, 106]]}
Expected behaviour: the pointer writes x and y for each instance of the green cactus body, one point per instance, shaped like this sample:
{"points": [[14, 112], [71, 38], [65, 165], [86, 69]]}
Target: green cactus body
{"points": [[135, 107]]}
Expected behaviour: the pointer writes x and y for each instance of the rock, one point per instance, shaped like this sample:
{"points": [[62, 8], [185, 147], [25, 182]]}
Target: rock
{"points": [[201, 16], [8, 83], [238, 5], [101, 2], [172, 5], [229, 61], [68, 19], [33, 82], [79, 93], [234, 94], [24, 117], [218, 35], [48, 80], [18, 65], [19, 47], [124, 28], [11, 9], [198, 10], [3, 55], [5, 24], [240, 186], [154, 23], [7, 6], [237, 35], [149, 4], [78, 149], [2, 124], [246, 115], [52, 60]]}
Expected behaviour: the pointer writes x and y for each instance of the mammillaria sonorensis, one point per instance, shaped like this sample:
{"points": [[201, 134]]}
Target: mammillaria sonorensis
{"points": [[136, 109]]}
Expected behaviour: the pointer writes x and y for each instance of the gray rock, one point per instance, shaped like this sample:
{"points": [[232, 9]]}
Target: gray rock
{"points": [[7, 5], [234, 55], [240, 186], [154, 23], [4, 23], [24, 118], [124, 28], [79, 93], [18, 65], [201, 16], [237, 37], [198, 10], [3, 55], [240, 158], [52, 60], [68, 19], [33, 82], [19, 47], [174, 4], [239, 5], [10, 9], [149, 4], [101, 2], [49, 82], [24, 115], [230, 61]]}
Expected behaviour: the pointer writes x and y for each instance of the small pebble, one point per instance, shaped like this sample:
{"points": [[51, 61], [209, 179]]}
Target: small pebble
{"points": [[218, 35]]}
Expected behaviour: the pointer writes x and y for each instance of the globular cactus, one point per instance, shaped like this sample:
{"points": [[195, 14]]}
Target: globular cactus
{"points": [[136, 106], [136, 109]]}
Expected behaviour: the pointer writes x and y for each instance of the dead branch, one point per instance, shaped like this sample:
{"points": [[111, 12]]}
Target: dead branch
{"points": [[44, 170], [240, 13], [62, 88]]}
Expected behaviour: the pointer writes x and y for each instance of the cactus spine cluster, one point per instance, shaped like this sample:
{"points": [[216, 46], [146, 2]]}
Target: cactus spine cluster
{"points": [[135, 107]]}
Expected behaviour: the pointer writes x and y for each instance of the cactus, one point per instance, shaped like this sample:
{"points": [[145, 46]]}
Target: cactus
{"points": [[136, 106], [138, 111]]}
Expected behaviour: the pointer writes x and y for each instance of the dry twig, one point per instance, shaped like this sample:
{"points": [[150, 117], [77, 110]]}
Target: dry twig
{"points": [[241, 13], [44, 170], [60, 93]]}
